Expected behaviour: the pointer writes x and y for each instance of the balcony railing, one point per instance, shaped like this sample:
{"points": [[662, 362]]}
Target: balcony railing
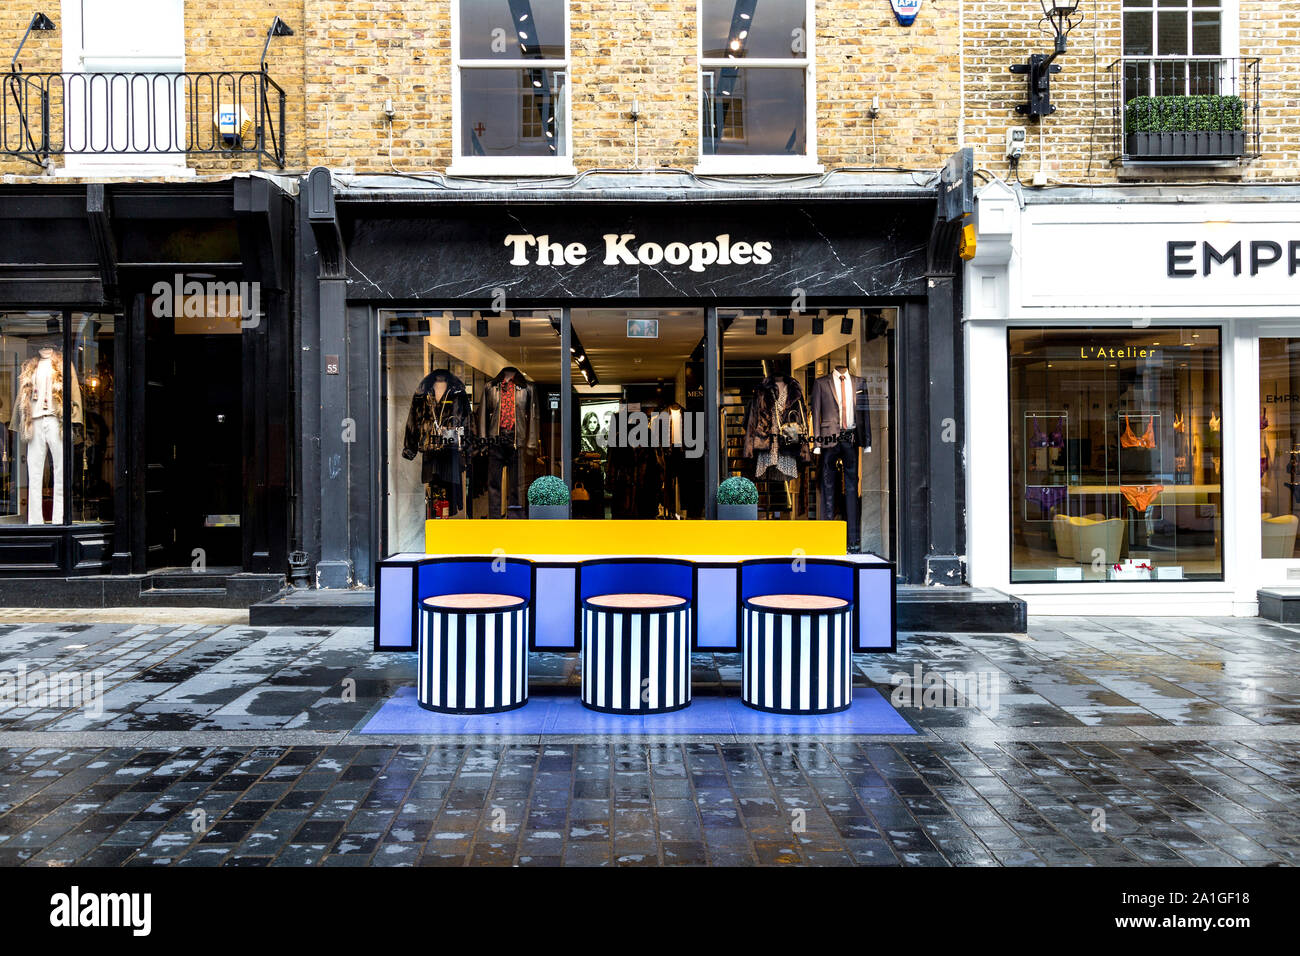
{"points": [[1178, 110], [135, 116]]}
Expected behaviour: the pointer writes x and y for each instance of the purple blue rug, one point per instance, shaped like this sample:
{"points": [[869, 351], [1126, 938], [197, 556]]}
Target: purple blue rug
{"points": [[551, 715]]}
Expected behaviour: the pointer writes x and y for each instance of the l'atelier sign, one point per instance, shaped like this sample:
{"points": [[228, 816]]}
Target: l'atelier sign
{"points": [[624, 249], [1181, 260]]}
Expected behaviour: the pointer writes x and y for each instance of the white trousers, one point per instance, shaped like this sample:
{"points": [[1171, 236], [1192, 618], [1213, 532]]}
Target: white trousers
{"points": [[45, 436]]}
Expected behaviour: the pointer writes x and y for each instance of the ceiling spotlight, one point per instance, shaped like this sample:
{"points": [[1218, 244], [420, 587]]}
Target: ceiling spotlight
{"points": [[453, 326], [760, 323], [480, 326], [846, 325], [787, 325], [515, 328], [818, 325]]}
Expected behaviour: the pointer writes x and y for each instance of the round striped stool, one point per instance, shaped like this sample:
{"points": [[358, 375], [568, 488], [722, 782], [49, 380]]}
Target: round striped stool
{"points": [[473, 653], [796, 656], [636, 653]]}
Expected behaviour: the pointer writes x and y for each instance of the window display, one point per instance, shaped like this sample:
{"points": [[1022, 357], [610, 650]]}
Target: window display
{"points": [[805, 414], [639, 403], [472, 411], [1115, 451], [94, 441], [1279, 446]]}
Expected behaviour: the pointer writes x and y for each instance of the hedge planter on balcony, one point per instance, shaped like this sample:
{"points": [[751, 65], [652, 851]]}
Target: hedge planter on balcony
{"points": [[1184, 127], [548, 497]]}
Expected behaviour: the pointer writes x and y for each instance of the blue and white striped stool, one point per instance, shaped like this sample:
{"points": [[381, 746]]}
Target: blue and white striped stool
{"points": [[796, 657], [473, 653], [636, 653]]}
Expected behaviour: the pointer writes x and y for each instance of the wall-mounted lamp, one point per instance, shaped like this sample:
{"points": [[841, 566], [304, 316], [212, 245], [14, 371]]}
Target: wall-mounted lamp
{"points": [[41, 23], [1062, 16], [278, 29]]}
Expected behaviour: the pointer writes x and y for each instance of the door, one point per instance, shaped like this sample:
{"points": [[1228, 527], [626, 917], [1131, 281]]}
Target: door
{"points": [[194, 481], [125, 98]]}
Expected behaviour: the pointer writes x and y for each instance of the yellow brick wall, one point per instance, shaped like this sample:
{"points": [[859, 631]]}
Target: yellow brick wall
{"points": [[221, 35], [1076, 145], [350, 56], [621, 49]]}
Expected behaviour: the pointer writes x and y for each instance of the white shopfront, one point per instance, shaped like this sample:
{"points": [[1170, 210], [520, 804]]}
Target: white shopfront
{"points": [[1133, 397]]}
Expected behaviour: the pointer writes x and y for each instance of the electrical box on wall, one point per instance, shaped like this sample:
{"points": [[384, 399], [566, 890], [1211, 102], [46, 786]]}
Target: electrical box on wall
{"points": [[1015, 142]]}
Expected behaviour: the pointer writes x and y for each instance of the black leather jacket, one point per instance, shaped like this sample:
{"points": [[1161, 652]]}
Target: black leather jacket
{"points": [[528, 423], [431, 418]]}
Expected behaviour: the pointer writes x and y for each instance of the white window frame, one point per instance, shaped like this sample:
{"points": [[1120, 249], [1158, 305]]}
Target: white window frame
{"points": [[1229, 37], [75, 56], [463, 165], [759, 165]]}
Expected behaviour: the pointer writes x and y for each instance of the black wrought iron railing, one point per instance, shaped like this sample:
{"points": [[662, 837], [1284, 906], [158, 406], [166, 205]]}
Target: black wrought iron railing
{"points": [[142, 115], [1185, 109]]}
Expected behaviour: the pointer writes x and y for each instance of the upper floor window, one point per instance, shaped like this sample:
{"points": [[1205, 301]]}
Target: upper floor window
{"points": [[1174, 48], [510, 89], [757, 96]]}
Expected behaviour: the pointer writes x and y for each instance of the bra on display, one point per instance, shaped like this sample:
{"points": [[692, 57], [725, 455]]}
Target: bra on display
{"points": [[1054, 439], [1130, 440]]}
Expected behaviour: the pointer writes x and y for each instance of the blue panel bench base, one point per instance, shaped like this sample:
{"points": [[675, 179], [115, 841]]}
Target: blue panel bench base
{"points": [[473, 654], [796, 657], [636, 654]]}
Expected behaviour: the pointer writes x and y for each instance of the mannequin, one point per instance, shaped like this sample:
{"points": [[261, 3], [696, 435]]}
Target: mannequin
{"points": [[776, 429], [436, 428], [841, 433], [510, 423], [39, 420]]}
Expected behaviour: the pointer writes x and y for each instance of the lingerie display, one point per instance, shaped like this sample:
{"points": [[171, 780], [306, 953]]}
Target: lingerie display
{"points": [[1054, 439], [1047, 497], [1130, 440], [1140, 497]]}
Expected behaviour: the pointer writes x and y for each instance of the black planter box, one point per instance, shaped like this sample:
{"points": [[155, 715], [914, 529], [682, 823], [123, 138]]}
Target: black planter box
{"points": [[1197, 145]]}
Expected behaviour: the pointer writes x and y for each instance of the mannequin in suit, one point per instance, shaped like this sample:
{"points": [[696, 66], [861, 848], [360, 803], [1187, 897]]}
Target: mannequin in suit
{"points": [[841, 431]]}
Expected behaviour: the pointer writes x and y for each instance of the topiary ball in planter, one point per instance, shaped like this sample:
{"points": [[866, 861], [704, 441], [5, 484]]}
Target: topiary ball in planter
{"points": [[548, 497], [737, 500]]}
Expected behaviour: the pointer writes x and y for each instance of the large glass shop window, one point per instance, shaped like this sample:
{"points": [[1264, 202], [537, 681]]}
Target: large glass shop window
{"points": [[1116, 454], [805, 415], [472, 405], [1279, 446], [638, 448]]}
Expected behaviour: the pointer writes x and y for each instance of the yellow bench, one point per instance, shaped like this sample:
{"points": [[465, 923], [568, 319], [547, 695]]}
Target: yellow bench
{"points": [[635, 537]]}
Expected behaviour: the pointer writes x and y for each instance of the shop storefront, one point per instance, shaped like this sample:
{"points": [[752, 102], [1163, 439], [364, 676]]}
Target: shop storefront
{"points": [[639, 337], [144, 384], [1131, 378]]}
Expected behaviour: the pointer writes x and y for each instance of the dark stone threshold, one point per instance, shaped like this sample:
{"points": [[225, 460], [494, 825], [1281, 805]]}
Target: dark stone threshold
{"points": [[962, 610], [318, 607], [161, 589], [1279, 604]]}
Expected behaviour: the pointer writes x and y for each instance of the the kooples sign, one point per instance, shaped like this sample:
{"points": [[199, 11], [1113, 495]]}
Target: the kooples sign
{"points": [[624, 249], [1183, 258]]}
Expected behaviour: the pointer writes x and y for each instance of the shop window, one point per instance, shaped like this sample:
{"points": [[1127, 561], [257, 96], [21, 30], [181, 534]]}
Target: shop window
{"points": [[472, 415], [1174, 48], [806, 416], [1279, 446], [58, 418], [1116, 454], [756, 92], [511, 86], [94, 445], [639, 411]]}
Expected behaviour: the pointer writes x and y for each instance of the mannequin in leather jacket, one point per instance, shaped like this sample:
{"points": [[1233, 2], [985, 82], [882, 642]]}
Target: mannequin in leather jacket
{"points": [[438, 427]]}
